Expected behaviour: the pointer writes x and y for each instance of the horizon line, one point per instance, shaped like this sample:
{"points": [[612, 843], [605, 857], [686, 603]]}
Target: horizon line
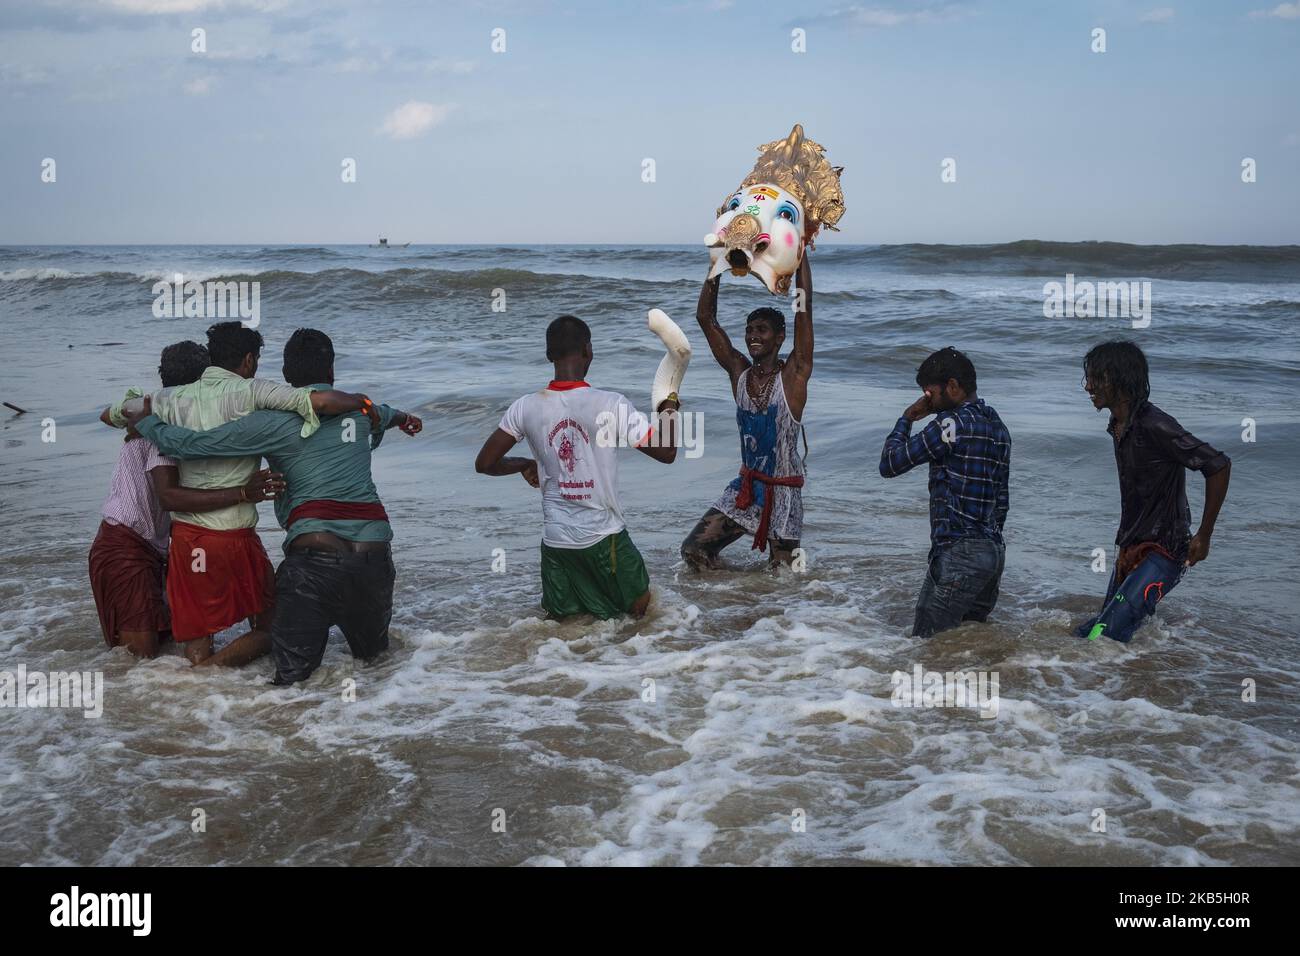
{"points": [[635, 245]]}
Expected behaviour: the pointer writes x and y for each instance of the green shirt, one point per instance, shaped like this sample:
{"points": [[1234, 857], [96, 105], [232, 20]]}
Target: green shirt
{"points": [[333, 464], [221, 396]]}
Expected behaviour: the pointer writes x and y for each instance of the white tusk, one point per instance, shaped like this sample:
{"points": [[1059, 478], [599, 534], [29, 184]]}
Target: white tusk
{"points": [[672, 367]]}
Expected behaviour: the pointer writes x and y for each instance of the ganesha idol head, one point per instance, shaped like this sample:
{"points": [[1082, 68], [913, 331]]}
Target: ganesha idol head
{"points": [[763, 227], [760, 230]]}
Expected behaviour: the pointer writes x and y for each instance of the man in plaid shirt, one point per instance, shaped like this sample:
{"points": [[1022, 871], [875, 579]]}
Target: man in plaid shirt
{"points": [[969, 453]]}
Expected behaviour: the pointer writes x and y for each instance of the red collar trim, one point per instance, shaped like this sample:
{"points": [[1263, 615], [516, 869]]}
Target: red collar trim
{"points": [[565, 386]]}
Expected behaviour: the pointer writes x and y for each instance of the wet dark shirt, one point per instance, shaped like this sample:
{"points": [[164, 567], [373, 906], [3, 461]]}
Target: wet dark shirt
{"points": [[1153, 455]]}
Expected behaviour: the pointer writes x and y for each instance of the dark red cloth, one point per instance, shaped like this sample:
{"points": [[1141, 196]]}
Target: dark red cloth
{"points": [[745, 498], [228, 581], [127, 576], [1130, 557], [327, 510]]}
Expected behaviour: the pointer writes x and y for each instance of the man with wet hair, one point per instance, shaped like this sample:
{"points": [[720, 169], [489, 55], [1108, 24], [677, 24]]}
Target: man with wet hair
{"points": [[968, 450], [589, 563], [766, 499], [128, 561], [338, 566], [1154, 543]]}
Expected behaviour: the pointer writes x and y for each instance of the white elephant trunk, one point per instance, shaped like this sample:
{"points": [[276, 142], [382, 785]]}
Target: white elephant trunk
{"points": [[672, 367]]}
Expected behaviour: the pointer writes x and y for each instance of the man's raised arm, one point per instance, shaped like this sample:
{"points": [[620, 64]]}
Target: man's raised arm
{"points": [[706, 313], [800, 364], [903, 451]]}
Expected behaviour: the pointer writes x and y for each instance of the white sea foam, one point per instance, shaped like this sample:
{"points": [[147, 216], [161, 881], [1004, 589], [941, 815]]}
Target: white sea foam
{"points": [[21, 275]]}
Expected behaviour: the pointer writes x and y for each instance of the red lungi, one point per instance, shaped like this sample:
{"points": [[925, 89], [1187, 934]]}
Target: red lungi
{"points": [[745, 499], [230, 579], [126, 577]]}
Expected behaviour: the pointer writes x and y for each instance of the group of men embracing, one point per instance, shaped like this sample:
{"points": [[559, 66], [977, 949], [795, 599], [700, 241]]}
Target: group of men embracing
{"points": [[189, 468], [195, 449]]}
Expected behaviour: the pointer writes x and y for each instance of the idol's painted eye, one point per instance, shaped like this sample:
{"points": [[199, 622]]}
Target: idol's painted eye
{"points": [[787, 211], [735, 203]]}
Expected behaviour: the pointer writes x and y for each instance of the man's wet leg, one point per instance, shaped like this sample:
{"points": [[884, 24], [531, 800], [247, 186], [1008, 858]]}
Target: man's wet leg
{"points": [[198, 650], [711, 534], [143, 644], [1136, 598], [781, 551], [248, 647], [366, 593], [640, 605]]}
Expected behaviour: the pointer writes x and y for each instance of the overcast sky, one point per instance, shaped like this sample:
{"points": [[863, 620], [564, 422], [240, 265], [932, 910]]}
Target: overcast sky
{"points": [[545, 142]]}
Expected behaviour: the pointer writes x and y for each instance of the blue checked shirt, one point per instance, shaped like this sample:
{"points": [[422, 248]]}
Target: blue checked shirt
{"points": [[968, 472]]}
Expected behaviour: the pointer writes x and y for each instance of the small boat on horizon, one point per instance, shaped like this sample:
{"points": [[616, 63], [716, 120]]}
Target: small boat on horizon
{"points": [[385, 244]]}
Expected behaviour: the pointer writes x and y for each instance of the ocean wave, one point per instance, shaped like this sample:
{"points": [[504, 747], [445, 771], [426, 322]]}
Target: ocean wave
{"points": [[272, 275], [298, 252], [1023, 258], [1187, 262], [394, 283], [40, 275]]}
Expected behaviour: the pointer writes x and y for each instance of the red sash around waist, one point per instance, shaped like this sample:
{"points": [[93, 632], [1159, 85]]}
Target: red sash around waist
{"points": [[327, 510], [745, 498], [1129, 558]]}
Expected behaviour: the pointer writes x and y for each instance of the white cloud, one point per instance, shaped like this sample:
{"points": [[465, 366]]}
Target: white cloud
{"points": [[413, 119], [857, 15], [13, 74], [199, 87], [1158, 15], [458, 67], [1283, 11], [160, 7], [356, 64], [368, 59], [875, 17]]}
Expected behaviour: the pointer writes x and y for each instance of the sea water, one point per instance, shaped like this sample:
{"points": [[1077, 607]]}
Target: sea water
{"points": [[750, 717]]}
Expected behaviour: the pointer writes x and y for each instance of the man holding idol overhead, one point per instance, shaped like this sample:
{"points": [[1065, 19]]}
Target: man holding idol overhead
{"points": [[764, 228]]}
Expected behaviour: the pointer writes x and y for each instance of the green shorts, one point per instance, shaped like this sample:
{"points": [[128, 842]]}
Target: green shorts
{"points": [[604, 579]]}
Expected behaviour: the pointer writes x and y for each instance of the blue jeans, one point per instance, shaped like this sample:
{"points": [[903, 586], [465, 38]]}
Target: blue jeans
{"points": [[960, 585], [1132, 601]]}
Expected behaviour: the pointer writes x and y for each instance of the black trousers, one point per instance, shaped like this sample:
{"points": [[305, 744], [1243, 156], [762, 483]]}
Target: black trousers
{"points": [[961, 585], [316, 589]]}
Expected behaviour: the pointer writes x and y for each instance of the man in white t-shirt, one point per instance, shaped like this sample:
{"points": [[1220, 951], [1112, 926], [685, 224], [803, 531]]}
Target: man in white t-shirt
{"points": [[589, 563]]}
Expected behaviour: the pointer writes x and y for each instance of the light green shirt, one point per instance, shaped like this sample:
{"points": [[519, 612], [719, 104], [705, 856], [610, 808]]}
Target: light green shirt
{"points": [[218, 397]]}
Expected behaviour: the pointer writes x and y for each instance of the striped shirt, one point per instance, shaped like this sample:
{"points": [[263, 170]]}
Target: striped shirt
{"points": [[969, 451], [131, 500]]}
